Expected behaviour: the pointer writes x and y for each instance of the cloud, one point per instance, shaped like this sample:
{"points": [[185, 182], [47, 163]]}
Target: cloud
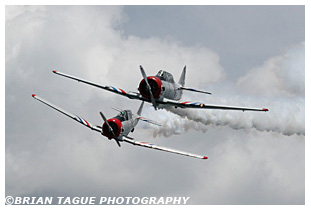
{"points": [[278, 85], [253, 155], [281, 75], [80, 41], [48, 154]]}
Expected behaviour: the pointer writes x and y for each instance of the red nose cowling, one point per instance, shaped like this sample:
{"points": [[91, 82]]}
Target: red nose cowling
{"points": [[155, 84], [116, 126]]}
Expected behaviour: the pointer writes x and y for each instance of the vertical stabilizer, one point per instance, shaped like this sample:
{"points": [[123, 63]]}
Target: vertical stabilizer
{"points": [[140, 108], [182, 77]]}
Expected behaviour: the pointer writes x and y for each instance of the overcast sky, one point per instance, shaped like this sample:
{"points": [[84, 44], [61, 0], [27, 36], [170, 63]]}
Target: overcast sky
{"points": [[246, 56]]}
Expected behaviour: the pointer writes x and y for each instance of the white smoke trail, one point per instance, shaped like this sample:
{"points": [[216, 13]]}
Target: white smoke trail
{"points": [[278, 84], [275, 120]]}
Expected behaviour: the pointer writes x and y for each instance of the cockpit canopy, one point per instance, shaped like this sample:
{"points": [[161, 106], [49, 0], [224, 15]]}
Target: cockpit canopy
{"points": [[124, 115], [166, 76]]}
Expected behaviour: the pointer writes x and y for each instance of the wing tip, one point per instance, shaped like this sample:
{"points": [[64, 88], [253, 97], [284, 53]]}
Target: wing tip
{"points": [[54, 71], [205, 158], [33, 95], [265, 109]]}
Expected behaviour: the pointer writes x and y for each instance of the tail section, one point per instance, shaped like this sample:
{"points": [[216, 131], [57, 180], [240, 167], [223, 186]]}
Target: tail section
{"points": [[145, 119], [149, 121], [182, 83], [182, 77]]}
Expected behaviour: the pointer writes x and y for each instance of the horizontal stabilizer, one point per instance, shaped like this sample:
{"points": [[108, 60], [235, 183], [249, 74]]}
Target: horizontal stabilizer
{"points": [[194, 90], [149, 121]]}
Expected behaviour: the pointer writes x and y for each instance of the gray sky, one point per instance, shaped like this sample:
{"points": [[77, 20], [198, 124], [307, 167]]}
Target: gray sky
{"points": [[247, 56], [243, 36]]}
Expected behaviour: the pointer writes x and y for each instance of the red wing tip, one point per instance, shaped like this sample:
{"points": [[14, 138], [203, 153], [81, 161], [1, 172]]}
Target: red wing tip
{"points": [[264, 109], [33, 95], [54, 71], [205, 157]]}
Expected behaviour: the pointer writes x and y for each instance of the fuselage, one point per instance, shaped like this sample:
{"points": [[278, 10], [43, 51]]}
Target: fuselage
{"points": [[162, 86], [122, 125]]}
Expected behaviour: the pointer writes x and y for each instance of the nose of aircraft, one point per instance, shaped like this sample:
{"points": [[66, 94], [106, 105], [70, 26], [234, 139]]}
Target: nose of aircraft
{"points": [[155, 84]]}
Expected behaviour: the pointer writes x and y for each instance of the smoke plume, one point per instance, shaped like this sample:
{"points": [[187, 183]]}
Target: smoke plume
{"points": [[278, 85]]}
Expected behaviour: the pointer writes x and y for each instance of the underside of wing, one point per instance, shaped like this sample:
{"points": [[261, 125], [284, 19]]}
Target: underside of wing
{"points": [[112, 89], [165, 149], [198, 105], [68, 114]]}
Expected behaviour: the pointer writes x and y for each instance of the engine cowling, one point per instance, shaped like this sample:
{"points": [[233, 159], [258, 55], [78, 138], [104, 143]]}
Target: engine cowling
{"points": [[155, 84], [116, 126]]}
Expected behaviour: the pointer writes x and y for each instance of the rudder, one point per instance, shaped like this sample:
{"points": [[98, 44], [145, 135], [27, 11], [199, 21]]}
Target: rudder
{"points": [[182, 77]]}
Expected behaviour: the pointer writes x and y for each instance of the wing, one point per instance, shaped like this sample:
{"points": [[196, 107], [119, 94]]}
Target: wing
{"points": [[165, 149], [72, 116], [133, 95], [119, 91], [191, 104]]}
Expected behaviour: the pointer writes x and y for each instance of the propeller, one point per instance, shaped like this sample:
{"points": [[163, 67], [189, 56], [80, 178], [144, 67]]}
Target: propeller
{"points": [[110, 128], [149, 88]]}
